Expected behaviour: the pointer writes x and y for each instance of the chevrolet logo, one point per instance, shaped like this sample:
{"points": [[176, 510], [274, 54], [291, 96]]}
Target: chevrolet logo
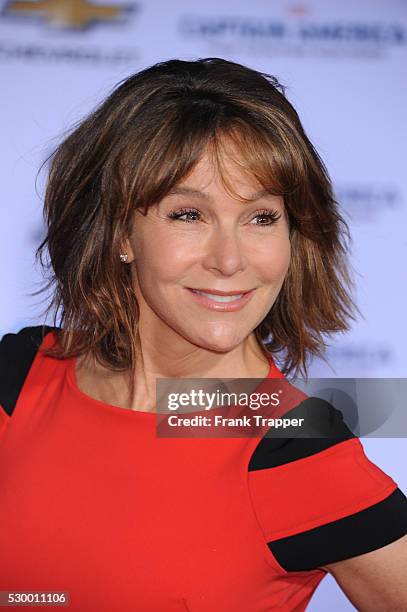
{"points": [[66, 13]]}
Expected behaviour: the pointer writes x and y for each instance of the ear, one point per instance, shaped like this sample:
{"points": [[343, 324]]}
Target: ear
{"points": [[128, 249]]}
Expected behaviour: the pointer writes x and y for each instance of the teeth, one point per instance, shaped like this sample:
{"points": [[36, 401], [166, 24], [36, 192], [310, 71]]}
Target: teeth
{"points": [[220, 298]]}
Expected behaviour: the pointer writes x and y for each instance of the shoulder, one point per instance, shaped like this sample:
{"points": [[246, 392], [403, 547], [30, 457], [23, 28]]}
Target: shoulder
{"points": [[323, 427], [17, 352], [317, 497], [25, 336]]}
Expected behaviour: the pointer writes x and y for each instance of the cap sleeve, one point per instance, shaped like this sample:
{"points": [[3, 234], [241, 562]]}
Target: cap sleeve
{"points": [[319, 500], [17, 352]]}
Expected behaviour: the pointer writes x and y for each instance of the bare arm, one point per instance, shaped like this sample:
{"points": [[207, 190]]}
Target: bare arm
{"points": [[375, 581]]}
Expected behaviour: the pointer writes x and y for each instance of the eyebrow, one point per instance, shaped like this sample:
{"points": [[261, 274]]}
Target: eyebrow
{"points": [[189, 191]]}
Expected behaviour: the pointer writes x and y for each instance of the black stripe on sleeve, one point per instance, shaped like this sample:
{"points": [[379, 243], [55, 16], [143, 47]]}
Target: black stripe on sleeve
{"points": [[354, 535], [323, 427], [17, 352]]}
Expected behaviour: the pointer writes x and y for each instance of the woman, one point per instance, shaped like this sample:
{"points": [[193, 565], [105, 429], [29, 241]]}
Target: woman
{"points": [[192, 233]]}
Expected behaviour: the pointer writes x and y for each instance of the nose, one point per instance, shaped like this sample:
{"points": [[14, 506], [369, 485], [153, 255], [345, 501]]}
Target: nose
{"points": [[224, 253]]}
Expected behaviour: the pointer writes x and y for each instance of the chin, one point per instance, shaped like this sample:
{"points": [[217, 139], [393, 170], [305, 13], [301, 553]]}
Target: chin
{"points": [[219, 344]]}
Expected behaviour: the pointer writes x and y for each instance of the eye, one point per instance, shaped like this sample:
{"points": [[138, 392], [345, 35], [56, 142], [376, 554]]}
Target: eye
{"points": [[271, 217], [177, 214]]}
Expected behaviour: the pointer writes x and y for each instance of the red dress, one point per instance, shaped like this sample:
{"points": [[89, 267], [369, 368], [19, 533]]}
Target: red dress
{"points": [[94, 504]]}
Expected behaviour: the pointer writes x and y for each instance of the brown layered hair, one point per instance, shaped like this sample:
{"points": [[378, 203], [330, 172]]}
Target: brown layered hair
{"points": [[131, 151]]}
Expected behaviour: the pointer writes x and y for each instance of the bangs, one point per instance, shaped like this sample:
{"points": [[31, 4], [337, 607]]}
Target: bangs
{"points": [[260, 155], [258, 146]]}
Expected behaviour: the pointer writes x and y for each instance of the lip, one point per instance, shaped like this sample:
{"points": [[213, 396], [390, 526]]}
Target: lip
{"points": [[236, 305], [215, 292]]}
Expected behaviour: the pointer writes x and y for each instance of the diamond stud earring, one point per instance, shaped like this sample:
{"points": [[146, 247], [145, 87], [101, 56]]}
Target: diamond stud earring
{"points": [[124, 257]]}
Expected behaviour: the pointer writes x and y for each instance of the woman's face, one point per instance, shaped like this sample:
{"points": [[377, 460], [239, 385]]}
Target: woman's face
{"points": [[200, 237]]}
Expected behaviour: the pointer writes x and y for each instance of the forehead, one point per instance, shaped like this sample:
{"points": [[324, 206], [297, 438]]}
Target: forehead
{"points": [[220, 172]]}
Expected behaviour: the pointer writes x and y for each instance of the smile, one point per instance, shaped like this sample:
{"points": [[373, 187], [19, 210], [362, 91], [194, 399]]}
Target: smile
{"points": [[221, 301], [219, 298]]}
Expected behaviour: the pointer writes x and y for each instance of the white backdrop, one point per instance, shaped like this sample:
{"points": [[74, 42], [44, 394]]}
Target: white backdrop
{"points": [[342, 63]]}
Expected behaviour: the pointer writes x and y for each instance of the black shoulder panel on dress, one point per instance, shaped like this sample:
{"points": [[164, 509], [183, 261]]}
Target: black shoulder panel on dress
{"points": [[17, 352], [323, 427], [354, 535]]}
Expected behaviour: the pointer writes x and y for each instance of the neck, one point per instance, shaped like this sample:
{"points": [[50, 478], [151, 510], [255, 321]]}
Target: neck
{"points": [[186, 360]]}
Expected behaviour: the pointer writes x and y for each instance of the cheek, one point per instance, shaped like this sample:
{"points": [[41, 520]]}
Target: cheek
{"points": [[275, 260], [159, 256]]}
